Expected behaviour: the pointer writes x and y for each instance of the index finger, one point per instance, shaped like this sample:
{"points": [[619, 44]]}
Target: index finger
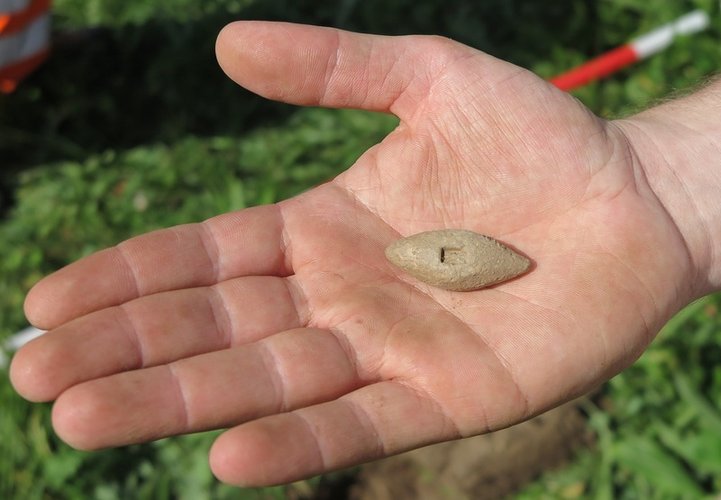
{"points": [[244, 243]]}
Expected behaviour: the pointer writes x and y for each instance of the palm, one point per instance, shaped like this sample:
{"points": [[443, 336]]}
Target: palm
{"points": [[289, 317]]}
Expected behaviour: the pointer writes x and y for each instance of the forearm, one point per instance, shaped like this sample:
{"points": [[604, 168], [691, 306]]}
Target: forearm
{"points": [[677, 146]]}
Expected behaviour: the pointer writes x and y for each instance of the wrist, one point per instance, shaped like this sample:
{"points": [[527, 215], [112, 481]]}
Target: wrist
{"points": [[677, 148]]}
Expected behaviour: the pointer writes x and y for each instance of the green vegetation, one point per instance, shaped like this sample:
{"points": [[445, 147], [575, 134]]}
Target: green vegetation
{"points": [[137, 129], [658, 424]]}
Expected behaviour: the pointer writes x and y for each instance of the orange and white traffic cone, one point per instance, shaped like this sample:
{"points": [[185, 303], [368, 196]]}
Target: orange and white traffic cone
{"points": [[24, 39]]}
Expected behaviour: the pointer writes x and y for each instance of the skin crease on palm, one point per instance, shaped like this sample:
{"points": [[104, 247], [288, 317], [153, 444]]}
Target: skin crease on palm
{"points": [[285, 323]]}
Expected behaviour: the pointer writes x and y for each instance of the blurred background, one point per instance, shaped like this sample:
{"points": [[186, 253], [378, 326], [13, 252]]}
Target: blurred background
{"points": [[131, 126]]}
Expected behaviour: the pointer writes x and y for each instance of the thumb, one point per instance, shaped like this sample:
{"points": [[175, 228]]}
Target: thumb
{"points": [[315, 66]]}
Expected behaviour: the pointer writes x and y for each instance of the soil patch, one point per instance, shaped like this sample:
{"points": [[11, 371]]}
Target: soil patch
{"points": [[480, 468]]}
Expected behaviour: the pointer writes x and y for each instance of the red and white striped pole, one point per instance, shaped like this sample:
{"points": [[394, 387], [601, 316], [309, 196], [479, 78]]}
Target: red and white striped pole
{"points": [[637, 49]]}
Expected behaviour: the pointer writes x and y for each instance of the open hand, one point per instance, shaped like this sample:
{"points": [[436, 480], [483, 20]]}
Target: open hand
{"points": [[286, 324]]}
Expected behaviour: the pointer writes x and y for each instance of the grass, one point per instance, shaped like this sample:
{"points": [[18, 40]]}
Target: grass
{"points": [[657, 424], [139, 130]]}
